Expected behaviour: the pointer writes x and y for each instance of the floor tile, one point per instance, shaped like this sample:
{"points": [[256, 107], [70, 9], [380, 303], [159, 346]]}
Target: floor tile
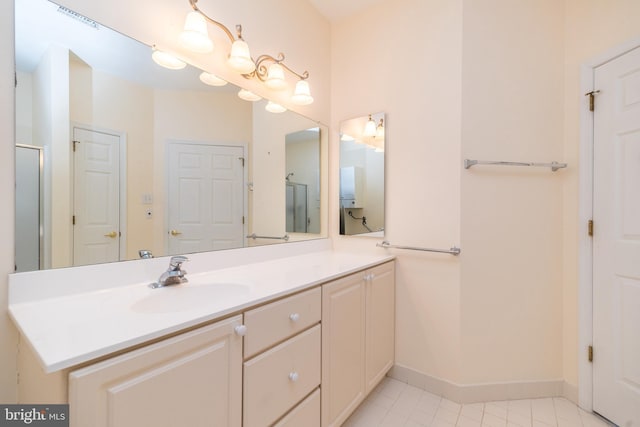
{"points": [[396, 404]]}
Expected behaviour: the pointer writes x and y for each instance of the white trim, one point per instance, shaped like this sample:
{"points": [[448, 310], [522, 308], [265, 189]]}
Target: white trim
{"points": [[585, 212], [485, 392]]}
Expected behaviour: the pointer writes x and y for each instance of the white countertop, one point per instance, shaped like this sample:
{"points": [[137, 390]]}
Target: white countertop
{"points": [[75, 328]]}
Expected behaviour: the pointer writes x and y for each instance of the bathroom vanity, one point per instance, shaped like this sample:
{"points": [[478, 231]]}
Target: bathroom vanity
{"points": [[276, 342]]}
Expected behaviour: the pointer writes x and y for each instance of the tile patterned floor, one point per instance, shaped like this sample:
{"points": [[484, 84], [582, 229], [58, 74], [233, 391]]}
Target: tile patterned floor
{"points": [[396, 404]]}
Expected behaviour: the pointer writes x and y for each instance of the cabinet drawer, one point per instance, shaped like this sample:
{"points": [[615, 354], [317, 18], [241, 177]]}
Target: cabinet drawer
{"points": [[277, 321], [306, 414], [279, 378]]}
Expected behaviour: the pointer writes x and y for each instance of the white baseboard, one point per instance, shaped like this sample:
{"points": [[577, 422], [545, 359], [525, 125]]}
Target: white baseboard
{"points": [[470, 393]]}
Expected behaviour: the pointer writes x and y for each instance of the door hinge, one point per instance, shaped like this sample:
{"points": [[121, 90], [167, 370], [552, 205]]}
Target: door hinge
{"points": [[590, 227], [74, 145], [242, 219], [590, 353], [242, 159], [73, 220], [592, 96]]}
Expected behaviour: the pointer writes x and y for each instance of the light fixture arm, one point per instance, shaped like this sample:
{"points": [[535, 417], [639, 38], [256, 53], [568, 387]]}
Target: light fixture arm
{"points": [[216, 23], [262, 68]]}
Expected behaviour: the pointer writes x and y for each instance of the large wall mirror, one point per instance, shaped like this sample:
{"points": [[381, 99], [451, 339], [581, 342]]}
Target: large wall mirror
{"points": [[116, 155], [362, 146]]}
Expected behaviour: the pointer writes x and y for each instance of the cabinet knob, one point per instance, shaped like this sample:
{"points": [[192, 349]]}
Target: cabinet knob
{"points": [[293, 376], [241, 330], [294, 317]]}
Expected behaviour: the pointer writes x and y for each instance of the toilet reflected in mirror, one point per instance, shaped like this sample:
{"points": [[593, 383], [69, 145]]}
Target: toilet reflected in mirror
{"points": [[362, 147]]}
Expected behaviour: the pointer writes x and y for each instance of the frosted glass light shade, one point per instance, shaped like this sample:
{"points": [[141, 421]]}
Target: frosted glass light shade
{"points": [[370, 128], [302, 93], [195, 36], [275, 77], [167, 60], [272, 107], [240, 58], [247, 95], [211, 79]]}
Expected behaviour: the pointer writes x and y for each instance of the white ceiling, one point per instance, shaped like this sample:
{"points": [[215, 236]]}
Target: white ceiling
{"points": [[39, 25], [336, 10]]}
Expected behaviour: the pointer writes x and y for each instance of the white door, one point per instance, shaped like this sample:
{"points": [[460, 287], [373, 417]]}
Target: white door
{"points": [[616, 241], [96, 197], [205, 198]]}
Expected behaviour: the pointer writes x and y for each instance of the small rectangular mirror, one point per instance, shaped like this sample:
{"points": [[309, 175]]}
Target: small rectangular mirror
{"points": [[362, 145]]}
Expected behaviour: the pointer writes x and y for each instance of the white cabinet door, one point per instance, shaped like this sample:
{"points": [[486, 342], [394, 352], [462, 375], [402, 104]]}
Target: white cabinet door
{"points": [[194, 379], [358, 339], [380, 325], [343, 348]]}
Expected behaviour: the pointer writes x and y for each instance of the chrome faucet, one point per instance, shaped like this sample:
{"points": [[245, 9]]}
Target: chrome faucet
{"points": [[174, 274]]}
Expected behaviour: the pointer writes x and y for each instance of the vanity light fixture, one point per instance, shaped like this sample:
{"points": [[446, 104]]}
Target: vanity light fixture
{"points": [[268, 69], [302, 94], [275, 77], [370, 128], [195, 36], [167, 60], [272, 107], [211, 79]]}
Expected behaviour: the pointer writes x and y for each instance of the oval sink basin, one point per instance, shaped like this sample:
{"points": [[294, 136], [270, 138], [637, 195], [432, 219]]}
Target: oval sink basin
{"points": [[190, 297]]}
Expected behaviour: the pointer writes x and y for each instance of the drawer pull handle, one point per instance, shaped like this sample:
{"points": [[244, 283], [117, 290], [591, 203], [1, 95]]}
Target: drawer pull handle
{"points": [[293, 376], [294, 317], [241, 330]]}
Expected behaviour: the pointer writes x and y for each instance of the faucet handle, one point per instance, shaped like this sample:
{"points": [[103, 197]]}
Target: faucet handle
{"points": [[176, 262]]}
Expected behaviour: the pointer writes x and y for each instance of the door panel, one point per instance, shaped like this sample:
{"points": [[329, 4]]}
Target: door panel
{"points": [[616, 241], [206, 197], [96, 233]]}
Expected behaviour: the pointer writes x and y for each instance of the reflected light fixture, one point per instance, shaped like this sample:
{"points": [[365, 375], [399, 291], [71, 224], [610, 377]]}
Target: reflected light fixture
{"points": [[266, 68], [167, 60], [247, 95], [272, 107], [211, 79], [380, 130], [370, 128]]}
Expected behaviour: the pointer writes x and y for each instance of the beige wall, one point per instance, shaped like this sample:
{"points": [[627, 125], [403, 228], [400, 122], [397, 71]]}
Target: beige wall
{"points": [[510, 312], [404, 58], [592, 28], [512, 109]]}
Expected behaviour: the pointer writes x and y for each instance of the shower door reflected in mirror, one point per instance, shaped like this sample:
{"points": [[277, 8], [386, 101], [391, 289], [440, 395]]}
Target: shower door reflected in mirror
{"points": [[302, 181], [362, 145]]}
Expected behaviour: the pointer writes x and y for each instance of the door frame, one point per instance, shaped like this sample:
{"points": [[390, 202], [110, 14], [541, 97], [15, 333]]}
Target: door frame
{"points": [[122, 184], [245, 184], [585, 213]]}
